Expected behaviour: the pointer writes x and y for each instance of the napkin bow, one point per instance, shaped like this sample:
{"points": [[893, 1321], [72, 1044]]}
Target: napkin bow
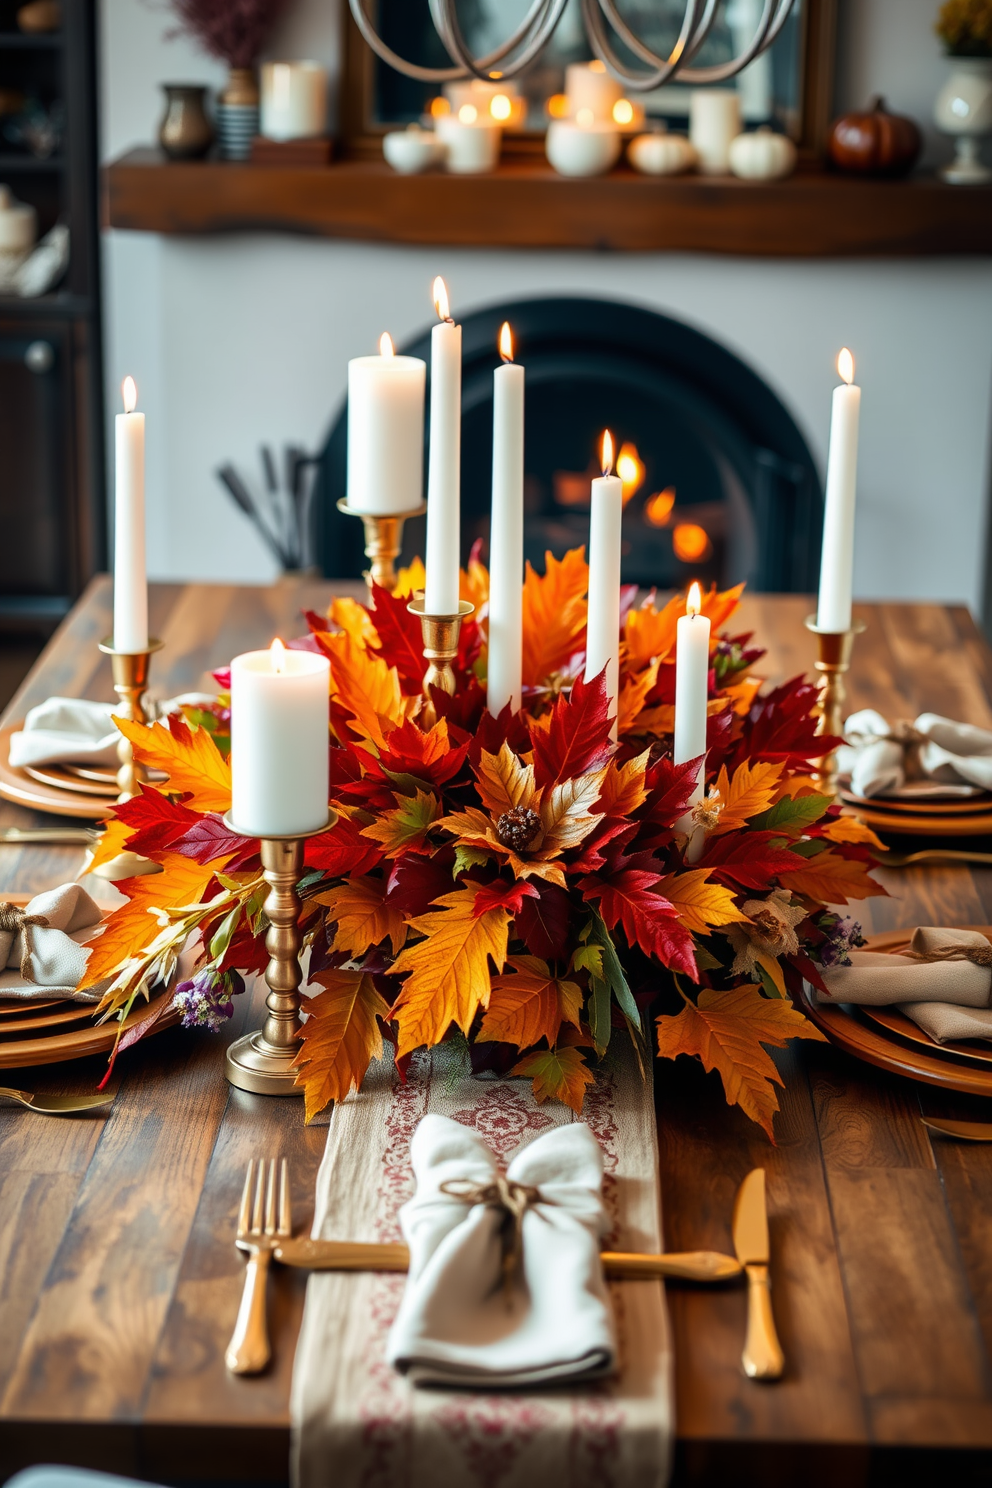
{"points": [[511, 1199], [16, 921], [879, 757], [43, 947]]}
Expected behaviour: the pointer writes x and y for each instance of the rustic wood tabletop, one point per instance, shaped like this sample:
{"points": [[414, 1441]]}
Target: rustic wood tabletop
{"points": [[119, 1281]]}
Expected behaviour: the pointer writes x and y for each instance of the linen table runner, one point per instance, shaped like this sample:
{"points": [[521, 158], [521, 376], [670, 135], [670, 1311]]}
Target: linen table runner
{"points": [[359, 1424]]}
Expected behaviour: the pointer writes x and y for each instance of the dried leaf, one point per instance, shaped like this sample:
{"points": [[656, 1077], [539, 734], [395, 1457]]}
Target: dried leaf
{"points": [[558, 1074], [566, 812], [339, 1038], [189, 757], [133, 926], [850, 829], [530, 1005], [504, 781], [364, 915]]}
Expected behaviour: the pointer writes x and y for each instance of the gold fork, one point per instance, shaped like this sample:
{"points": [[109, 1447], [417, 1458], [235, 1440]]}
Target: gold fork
{"points": [[264, 1218], [56, 1105]]}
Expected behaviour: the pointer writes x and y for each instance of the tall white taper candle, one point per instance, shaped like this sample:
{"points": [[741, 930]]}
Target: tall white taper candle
{"points": [[837, 560], [692, 668], [603, 624], [444, 462], [130, 584], [506, 544]]}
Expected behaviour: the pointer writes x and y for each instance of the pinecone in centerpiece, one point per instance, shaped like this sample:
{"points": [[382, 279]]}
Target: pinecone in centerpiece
{"points": [[518, 827]]}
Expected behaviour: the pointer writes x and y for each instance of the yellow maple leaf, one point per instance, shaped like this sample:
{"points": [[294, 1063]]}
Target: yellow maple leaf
{"points": [[851, 829], [623, 789], [504, 781], [133, 926], [354, 620], [447, 974], [831, 878], [702, 905], [187, 755], [407, 824], [554, 614], [727, 1031], [566, 812], [530, 1005], [339, 1038], [409, 580], [743, 694], [634, 688], [363, 915], [558, 1074], [747, 794]]}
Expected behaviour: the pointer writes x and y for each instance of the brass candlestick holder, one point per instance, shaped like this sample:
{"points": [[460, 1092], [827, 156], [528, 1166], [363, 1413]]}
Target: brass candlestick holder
{"points": [[440, 634], [130, 672], [263, 1061], [834, 649], [383, 541]]}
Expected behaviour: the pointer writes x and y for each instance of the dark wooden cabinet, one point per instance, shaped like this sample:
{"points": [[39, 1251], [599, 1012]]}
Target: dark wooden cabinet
{"points": [[52, 508]]}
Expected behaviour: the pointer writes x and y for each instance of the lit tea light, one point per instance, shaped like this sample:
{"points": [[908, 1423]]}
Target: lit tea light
{"points": [[658, 508], [691, 543], [468, 113], [623, 111], [500, 107]]}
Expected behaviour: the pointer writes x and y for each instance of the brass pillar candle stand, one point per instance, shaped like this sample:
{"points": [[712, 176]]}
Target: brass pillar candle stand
{"points": [[440, 634], [834, 649], [130, 672], [263, 1061], [383, 541]]}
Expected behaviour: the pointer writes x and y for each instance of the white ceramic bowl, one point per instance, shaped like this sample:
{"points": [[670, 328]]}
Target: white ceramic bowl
{"points": [[411, 151], [582, 150], [661, 154]]}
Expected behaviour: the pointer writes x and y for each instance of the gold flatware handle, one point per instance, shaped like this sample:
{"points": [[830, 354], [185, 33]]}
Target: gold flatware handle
{"points": [[56, 1105], [353, 1255], [66, 836], [248, 1351], [934, 855], [762, 1358], [966, 1131]]}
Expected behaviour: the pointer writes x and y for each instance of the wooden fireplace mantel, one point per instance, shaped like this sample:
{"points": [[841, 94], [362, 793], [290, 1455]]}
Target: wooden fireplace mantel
{"points": [[524, 204]]}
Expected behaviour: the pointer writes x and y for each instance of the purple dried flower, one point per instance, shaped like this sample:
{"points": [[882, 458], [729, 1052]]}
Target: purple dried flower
{"points": [[234, 30], [205, 1001], [841, 936]]}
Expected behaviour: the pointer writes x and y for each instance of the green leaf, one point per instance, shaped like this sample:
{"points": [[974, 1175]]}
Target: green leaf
{"points": [[806, 849], [799, 812], [705, 960], [224, 934], [767, 985], [468, 857], [613, 972], [588, 958], [407, 784], [599, 1013]]}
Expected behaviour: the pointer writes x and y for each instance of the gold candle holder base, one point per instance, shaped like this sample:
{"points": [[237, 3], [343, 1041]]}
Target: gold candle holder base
{"points": [[834, 648], [130, 672], [263, 1061], [383, 541], [440, 634]]}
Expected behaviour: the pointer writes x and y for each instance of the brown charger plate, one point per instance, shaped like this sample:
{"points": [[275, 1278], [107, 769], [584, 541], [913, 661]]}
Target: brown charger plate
{"points": [[917, 824], [64, 779], [946, 807], [898, 1023], [68, 1012], [870, 1042], [17, 786]]}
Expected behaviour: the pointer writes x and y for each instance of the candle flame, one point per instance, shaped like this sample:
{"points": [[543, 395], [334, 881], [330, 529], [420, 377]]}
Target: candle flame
{"points": [[386, 345], [500, 107], [506, 342], [623, 111], [694, 602], [468, 113], [606, 455], [845, 366], [440, 107], [557, 106], [277, 655], [130, 395], [630, 469], [441, 299]]}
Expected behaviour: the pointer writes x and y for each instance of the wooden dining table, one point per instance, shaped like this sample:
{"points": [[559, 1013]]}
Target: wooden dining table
{"points": [[119, 1279]]}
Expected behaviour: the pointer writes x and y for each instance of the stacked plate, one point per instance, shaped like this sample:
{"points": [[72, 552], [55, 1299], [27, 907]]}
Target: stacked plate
{"points": [[923, 809], [86, 791]]}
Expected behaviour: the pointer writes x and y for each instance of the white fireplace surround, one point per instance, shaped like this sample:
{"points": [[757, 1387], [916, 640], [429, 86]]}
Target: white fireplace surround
{"points": [[239, 339]]}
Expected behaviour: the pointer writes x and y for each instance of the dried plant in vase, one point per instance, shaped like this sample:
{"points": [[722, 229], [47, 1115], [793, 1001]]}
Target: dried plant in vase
{"points": [[235, 31], [965, 27]]}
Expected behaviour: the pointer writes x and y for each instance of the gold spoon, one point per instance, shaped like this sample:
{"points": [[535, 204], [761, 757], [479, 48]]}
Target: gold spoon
{"points": [[56, 1105]]}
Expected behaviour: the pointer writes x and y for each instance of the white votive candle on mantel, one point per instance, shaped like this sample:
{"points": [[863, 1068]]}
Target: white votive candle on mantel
{"points": [[130, 583], [386, 431], [506, 543], [603, 624], [692, 671], [837, 559], [444, 462], [279, 742]]}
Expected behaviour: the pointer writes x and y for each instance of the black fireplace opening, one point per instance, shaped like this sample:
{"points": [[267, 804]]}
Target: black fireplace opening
{"points": [[719, 483]]}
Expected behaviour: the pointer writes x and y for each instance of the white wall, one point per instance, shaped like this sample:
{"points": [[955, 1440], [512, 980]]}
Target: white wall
{"points": [[239, 339]]}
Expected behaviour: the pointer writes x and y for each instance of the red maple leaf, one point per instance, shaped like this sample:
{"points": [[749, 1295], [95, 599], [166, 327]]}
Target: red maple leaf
{"points": [[592, 856], [578, 737], [411, 751], [648, 920], [400, 640], [342, 850], [466, 707], [782, 725], [209, 839], [746, 859], [159, 821], [542, 923], [492, 733], [415, 882], [670, 789], [499, 893]]}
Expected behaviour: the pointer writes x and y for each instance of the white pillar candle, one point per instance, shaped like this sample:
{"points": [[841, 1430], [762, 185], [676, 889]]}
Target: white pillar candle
{"points": [[714, 121], [837, 558], [506, 545], [293, 101], [279, 741], [444, 463], [588, 85], [603, 624], [692, 669], [130, 584], [472, 140], [386, 431]]}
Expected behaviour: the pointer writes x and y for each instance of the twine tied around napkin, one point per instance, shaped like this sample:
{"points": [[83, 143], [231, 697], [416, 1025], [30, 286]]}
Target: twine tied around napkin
{"points": [[14, 920], [513, 1199], [980, 954]]}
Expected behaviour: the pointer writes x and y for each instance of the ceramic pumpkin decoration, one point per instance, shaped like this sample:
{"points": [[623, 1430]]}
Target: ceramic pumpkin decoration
{"points": [[762, 155], [875, 143], [661, 154]]}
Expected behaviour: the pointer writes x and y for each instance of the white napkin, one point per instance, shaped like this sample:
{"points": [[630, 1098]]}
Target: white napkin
{"points": [[57, 953], [457, 1324], [949, 753], [74, 730]]}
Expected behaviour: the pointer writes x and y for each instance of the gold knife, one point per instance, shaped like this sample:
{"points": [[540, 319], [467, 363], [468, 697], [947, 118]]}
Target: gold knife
{"points": [[350, 1255], [762, 1357], [968, 1131]]}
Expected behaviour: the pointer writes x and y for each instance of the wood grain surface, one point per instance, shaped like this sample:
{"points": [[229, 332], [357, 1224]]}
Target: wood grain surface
{"points": [[119, 1281]]}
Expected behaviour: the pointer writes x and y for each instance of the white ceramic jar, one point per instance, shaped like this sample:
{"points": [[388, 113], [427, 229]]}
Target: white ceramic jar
{"points": [[582, 149], [414, 150], [294, 100], [472, 143], [714, 120], [964, 108]]}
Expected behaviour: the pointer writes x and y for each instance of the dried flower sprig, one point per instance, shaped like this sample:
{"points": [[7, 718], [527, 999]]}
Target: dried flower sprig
{"points": [[234, 30]]}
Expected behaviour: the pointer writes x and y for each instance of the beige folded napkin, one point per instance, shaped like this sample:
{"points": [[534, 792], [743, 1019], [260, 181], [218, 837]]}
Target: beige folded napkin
{"points": [[879, 757], [77, 731], [505, 1287], [43, 946], [944, 983]]}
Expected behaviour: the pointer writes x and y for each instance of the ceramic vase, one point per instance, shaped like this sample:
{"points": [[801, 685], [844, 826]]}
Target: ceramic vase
{"points": [[237, 114], [964, 109], [185, 132]]}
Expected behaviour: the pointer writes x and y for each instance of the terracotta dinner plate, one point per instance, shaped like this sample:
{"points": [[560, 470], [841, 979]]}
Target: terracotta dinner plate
{"points": [[948, 806], [917, 824], [870, 1040], [904, 1028], [17, 785], [62, 777]]}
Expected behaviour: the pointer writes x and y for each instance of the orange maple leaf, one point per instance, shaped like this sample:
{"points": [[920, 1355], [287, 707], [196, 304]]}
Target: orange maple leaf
{"points": [[747, 794], [633, 692], [530, 1005], [554, 614], [650, 633], [447, 974], [114, 841], [728, 1032], [702, 905], [831, 878], [364, 916], [622, 789], [339, 1038], [133, 926], [851, 829], [187, 755], [354, 620], [368, 688], [473, 585], [409, 580], [558, 1074], [718, 606]]}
